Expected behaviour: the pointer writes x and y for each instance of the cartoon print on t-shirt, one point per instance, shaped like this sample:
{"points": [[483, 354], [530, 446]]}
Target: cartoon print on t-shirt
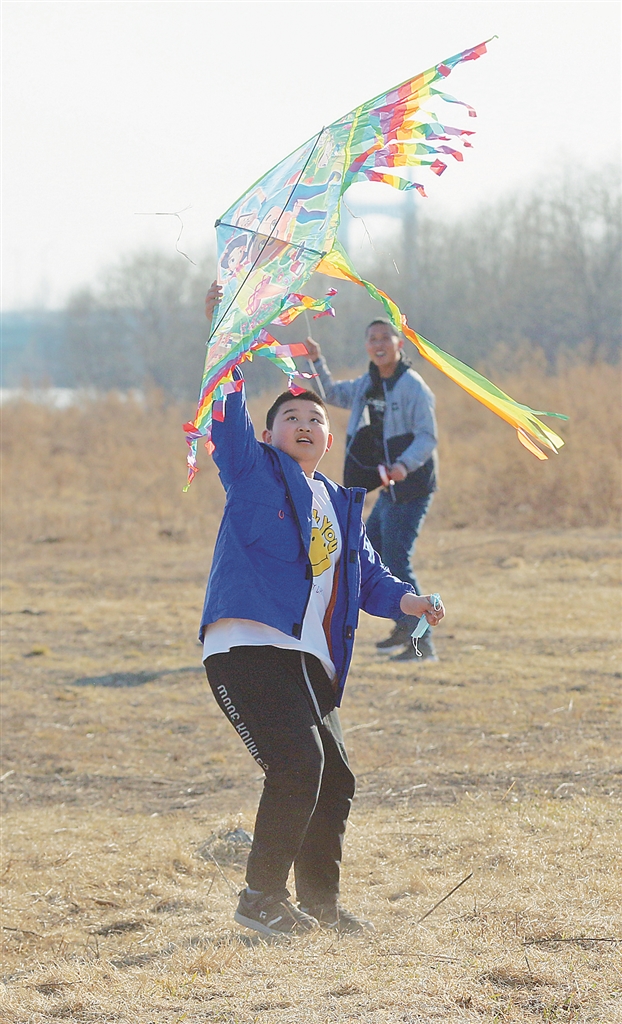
{"points": [[323, 543]]}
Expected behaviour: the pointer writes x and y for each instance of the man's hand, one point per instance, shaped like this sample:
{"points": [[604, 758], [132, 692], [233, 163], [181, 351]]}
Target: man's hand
{"points": [[212, 299], [411, 604], [397, 472], [313, 349]]}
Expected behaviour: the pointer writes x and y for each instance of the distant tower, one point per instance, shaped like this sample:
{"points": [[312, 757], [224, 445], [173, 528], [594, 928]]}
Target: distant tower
{"points": [[408, 263], [405, 212]]}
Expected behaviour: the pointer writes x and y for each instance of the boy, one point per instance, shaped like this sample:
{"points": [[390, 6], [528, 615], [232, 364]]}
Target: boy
{"points": [[292, 566]]}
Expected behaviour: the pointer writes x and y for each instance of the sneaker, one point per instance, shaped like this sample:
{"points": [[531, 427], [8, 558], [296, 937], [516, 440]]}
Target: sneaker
{"points": [[273, 914], [398, 637], [334, 916]]}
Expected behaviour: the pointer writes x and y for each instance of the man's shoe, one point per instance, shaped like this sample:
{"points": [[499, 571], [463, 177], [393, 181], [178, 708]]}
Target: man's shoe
{"points": [[273, 914], [399, 636], [426, 650], [337, 918]]}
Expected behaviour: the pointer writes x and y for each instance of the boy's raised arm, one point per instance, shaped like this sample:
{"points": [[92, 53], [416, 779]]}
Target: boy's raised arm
{"points": [[236, 448]]}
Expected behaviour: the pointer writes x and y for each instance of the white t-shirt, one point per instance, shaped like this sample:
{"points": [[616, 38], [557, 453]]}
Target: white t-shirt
{"points": [[324, 554]]}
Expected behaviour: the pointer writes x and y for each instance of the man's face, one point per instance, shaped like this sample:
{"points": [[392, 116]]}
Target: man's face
{"points": [[300, 429], [383, 347]]}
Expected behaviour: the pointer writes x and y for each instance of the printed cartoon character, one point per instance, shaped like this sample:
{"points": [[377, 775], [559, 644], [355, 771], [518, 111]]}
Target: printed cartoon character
{"points": [[265, 248], [217, 349], [296, 263], [263, 290], [328, 151], [323, 543], [302, 195], [248, 217], [234, 257], [278, 221]]}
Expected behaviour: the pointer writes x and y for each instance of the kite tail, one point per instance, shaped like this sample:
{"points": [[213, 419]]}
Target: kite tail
{"points": [[528, 427], [218, 378], [295, 304]]}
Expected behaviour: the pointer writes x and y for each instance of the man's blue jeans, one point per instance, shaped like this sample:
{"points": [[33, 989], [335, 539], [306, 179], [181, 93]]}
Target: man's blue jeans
{"points": [[393, 530]]}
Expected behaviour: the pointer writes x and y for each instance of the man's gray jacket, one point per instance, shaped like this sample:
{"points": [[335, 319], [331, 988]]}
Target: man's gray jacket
{"points": [[409, 426]]}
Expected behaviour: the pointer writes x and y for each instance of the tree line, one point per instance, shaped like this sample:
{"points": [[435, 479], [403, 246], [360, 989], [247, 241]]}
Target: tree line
{"points": [[539, 270]]}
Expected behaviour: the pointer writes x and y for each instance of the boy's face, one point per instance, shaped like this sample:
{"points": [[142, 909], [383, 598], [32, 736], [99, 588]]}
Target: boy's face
{"points": [[383, 347], [301, 430]]}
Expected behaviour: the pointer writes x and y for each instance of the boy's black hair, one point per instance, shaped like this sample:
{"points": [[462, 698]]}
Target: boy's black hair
{"points": [[287, 396], [387, 323]]}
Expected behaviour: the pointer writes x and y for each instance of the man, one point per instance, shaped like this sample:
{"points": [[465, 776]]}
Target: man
{"points": [[391, 440]]}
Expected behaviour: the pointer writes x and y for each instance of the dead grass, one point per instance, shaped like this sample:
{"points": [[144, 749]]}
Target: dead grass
{"points": [[112, 470], [118, 919], [502, 759], [487, 481]]}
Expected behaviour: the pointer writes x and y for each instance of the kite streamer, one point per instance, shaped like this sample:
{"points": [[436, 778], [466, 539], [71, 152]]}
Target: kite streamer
{"points": [[524, 419], [284, 228]]}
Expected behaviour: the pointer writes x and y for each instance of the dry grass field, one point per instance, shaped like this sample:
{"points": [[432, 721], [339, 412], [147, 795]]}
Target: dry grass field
{"points": [[120, 777]]}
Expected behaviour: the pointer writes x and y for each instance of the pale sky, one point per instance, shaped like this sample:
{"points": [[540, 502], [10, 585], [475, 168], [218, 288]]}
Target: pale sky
{"points": [[117, 108]]}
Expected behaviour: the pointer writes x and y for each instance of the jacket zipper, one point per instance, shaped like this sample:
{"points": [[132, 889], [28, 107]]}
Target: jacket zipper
{"points": [[391, 490], [344, 627], [327, 621]]}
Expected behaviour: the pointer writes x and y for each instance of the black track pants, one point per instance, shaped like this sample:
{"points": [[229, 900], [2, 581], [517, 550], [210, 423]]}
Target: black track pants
{"points": [[282, 705]]}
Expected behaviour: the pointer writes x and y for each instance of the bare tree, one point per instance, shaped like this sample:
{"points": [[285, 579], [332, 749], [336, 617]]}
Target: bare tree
{"points": [[540, 269], [143, 322]]}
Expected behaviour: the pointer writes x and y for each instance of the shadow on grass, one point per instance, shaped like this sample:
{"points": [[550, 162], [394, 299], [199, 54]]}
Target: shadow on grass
{"points": [[119, 679]]}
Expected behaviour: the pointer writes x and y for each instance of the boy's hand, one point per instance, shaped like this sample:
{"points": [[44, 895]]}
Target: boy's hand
{"points": [[212, 299], [411, 604], [313, 349]]}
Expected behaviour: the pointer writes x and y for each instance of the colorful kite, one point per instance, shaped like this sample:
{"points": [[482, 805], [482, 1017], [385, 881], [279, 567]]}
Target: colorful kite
{"points": [[284, 228]]}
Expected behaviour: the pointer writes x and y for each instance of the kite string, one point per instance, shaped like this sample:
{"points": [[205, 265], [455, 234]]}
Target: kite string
{"points": [[261, 251], [320, 386], [379, 252], [181, 229]]}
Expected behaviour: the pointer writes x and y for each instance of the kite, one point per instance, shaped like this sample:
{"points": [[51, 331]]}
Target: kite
{"points": [[284, 227]]}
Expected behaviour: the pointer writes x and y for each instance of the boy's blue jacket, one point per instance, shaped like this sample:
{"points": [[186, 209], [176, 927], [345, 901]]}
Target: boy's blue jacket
{"points": [[261, 569]]}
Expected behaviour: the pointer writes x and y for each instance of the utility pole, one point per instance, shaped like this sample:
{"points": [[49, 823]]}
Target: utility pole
{"points": [[408, 262]]}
